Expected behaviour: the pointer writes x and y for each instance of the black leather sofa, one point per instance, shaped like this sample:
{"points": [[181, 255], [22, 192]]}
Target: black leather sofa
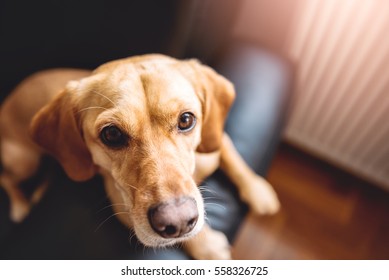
{"points": [[73, 220]]}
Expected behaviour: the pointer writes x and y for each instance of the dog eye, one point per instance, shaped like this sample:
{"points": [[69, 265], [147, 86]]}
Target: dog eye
{"points": [[186, 122], [113, 137]]}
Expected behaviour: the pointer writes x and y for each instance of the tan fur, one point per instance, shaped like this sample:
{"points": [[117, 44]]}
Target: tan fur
{"points": [[144, 97]]}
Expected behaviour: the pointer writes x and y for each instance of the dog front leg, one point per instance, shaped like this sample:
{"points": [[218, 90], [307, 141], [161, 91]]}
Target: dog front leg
{"points": [[208, 244], [253, 189], [206, 164], [20, 161], [19, 205]]}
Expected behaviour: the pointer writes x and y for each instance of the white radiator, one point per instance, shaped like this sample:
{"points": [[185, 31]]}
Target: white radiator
{"points": [[341, 106]]}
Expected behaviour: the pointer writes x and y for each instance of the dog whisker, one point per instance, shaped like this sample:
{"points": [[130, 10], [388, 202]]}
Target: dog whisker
{"points": [[205, 216], [92, 107], [111, 205], [131, 186], [113, 215], [212, 198], [102, 95], [216, 204], [176, 246], [132, 235], [205, 189], [144, 250]]}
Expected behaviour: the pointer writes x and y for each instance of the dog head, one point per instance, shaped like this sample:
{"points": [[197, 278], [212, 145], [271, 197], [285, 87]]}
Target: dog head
{"points": [[139, 121]]}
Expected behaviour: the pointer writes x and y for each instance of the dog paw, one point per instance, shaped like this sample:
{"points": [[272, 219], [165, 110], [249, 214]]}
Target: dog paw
{"points": [[19, 211], [211, 246], [261, 197]]}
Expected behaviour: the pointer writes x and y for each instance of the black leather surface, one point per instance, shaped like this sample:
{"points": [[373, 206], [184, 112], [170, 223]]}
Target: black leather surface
{"points": [[73, 220]]}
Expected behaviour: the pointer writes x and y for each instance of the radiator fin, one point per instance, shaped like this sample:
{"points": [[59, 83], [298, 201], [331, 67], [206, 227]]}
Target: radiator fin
{"points": [[341, 106]]}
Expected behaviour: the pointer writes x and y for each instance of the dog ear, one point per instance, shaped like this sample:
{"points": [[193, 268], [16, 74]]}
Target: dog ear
{"points": [[55, 128], [217, 95]]}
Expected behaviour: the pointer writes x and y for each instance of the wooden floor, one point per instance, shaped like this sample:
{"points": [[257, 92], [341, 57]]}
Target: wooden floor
{"points": [[326, 214]]}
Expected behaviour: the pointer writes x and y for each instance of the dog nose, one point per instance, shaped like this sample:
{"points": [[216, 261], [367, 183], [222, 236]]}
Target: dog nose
{"points": [[174, 218]]}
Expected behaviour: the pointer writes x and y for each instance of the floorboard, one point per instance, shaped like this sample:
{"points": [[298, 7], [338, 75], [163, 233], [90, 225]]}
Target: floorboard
{"points": [[326, 214]]}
